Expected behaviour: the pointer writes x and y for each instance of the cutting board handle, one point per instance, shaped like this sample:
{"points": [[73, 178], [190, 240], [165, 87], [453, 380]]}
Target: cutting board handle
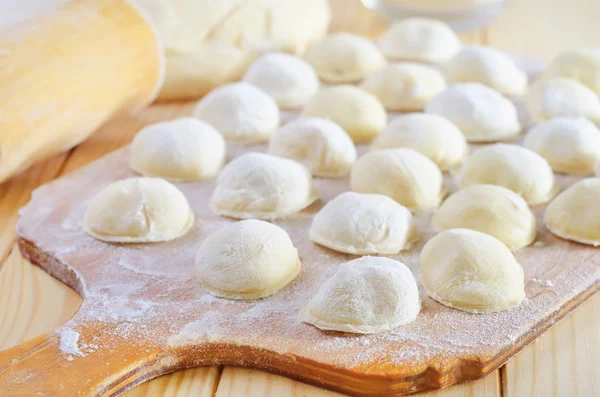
{"points": [[39, 367]]}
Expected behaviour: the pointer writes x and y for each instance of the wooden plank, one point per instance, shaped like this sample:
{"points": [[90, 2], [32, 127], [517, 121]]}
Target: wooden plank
{"points": [[565, 361], [196, 382]]}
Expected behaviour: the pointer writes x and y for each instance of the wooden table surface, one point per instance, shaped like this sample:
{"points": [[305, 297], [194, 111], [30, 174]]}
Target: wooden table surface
{"points": [[565, 361]]}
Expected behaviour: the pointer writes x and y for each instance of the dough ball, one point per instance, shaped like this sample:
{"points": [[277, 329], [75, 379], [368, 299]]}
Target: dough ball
{"points": [[421, 40], [516, 168], [402, 174], [488, 66], [289, 80], [429, 134], [138, 210], [362, 224], [490, 209], [185, 149], [257, 185], [562, 97], [359, 113], [573, 214], [365, 296], [345, 58], [569, 144], [239, 111], [471, 271], [405, 86], [582, 65], [482, 114], [320, 145], [247, 260]]}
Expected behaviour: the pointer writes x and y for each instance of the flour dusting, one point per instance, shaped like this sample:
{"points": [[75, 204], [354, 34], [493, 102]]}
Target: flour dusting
{"points": [[68, 342]]}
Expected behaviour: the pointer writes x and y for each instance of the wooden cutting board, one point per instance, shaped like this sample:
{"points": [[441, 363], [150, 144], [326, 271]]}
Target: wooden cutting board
{"points": [[144, 314]]}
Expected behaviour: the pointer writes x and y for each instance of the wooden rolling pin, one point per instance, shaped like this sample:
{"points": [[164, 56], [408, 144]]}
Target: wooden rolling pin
{"points": [[64, 73]]}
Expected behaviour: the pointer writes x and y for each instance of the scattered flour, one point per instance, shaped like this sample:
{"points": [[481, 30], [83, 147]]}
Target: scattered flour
{"points": [[68, 342]]}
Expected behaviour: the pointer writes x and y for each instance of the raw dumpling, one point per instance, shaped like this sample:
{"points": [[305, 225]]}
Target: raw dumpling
{"points": [[402, 174], [359, 113], [247, 260], [405, 86], [516, 168], [487, 66], [582, 65], [362, 224], [420, 40], [562, 97], [365, 296], [320, 145], [185, 149], [574, 215], [138, 210], [471, 271], [239, 111], [345, 58], [482, 114], [570, 145], [429, 134], [257, 185], [289, 80], [490, 209]]}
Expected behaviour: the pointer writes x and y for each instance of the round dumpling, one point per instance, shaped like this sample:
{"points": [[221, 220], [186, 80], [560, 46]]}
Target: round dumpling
{"points": [[289, 80], [358, 112], [429, 134], [562, 97], [239, 111], [402, 174], [185, 149], [345, 58], [405, 86], [257, 185], [420, 40], [471, 271], [490, 209], [582, 65], [365, 296], [320, 145], [489, 66], [482, 114], [247, 260], [574, 215], [362, 224], [138, 210], [570, 145], [516, 168]]}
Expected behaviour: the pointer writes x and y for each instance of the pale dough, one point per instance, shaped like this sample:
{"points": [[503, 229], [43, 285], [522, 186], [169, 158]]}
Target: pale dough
{"points": [[247, 260], [345, 58], [490, 209], [320, 145], [481, 113], [138, 210], [184, 149], [582, 65], [429, 134], [363, 224], [574, 215], [402, 174], [289, 80], [420, 40], [471, 271], [240, 112], [516, 168], [489, 66], [365, 296], [257, 185], [570, 145], [562, 97], [405, 86], [358, 112]]}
